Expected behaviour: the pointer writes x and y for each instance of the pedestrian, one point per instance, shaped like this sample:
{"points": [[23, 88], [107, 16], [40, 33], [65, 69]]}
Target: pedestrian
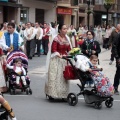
{"points": [[7, 106], [12, 38], [116, 50], [38, 38], [29, 35], [56, 85], [90, 46], [45, 38], [112, 38], [107, 35]]}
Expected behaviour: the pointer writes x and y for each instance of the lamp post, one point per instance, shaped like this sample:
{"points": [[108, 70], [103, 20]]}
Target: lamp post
{"points": [[88, 13], [107, 7]]}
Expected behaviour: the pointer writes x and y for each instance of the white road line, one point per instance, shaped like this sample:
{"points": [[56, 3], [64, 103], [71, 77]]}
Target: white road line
{"points": [[114, 100]]}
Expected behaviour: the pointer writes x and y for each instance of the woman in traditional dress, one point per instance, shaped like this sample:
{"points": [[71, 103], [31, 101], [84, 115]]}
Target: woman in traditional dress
{"points": [[57, 86], [99, 34]]}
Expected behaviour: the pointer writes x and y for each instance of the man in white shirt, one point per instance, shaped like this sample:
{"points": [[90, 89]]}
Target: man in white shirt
{"points": [[29, 35], [38, 37]]}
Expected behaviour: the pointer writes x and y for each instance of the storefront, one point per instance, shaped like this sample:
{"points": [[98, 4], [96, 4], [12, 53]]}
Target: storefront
{"points": [[6, 8], [64, 15]]}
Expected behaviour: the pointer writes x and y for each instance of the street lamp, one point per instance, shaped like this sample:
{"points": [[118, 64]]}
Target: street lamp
{"points": [[107, 7], [88, 13]]}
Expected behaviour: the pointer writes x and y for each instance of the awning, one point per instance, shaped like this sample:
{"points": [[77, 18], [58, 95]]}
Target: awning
{"points": [[10, 4]]}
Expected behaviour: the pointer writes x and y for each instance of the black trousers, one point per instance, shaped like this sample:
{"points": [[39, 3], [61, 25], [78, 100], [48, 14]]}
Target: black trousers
{"points": [[45, 45], [105, 43], [117, 78], [30, 47], [112, 55], [38, 44]]}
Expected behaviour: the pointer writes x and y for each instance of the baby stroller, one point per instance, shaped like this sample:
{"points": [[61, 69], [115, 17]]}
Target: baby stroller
{"points": [[3, 114], [11, 75], [91, 96]]}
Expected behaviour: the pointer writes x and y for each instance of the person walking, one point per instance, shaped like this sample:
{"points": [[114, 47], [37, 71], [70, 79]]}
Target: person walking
{"points": [[45, 38], [29, 35], [56, 85], [107, 35], [90, 46], [112, 38], [38, 38], [116, 50]]}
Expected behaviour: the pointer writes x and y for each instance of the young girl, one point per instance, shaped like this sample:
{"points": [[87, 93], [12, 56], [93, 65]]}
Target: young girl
{"points": [[6, 105], [19, 70], [102, 83]]}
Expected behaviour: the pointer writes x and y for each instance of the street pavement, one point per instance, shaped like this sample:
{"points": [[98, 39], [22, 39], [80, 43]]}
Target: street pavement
{"points": [[37, 107]]}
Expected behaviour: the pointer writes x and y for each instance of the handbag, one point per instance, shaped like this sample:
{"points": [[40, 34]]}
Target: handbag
{"points": [[69, 73]]}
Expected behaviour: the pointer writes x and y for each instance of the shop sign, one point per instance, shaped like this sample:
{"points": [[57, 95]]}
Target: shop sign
{"points": [[67, 11]]}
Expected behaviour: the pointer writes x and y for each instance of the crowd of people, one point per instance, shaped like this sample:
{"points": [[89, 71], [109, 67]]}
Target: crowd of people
{"points": [[56, 41]]}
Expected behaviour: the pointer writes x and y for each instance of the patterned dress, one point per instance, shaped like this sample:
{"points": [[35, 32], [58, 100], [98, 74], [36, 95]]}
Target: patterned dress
{"points": [[57, 86]]}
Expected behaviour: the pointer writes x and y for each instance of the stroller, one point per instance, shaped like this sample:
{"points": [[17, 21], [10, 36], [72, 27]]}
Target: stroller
{"points": [[11, 75], [3, 113], [91, 96]]}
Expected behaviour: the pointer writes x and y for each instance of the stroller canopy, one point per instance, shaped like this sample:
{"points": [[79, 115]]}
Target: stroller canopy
{"points": [[17, 54]]}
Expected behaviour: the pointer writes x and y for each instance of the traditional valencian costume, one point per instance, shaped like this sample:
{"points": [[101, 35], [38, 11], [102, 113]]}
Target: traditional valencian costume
{"points": [[57, 86]]}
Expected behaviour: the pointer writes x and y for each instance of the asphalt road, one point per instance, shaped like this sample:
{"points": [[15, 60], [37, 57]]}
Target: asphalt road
{"points": [[37, 107]]}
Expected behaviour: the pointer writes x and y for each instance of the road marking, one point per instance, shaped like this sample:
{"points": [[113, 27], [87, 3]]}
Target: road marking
{"points": [[16, 95], [114, 100]]}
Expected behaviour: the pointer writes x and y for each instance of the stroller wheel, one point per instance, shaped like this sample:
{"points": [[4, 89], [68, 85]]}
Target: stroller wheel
{"points": [[109, 103], [10, 90], [72, 99], [14, 92], [4, 116], [27, 91], [98, 105], [30, 91]]}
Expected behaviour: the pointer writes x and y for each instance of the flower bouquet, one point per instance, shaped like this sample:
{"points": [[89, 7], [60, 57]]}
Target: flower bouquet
{"points": [[74, 51]]}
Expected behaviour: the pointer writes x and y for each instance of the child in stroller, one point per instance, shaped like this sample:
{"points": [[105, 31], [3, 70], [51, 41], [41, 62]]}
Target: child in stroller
{"points": [[103, 89], [102, 83], [19, 72], [17, 64]]}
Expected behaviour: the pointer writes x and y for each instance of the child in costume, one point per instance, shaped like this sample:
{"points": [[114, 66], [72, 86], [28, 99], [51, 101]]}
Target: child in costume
{"points": [[19, 70]]}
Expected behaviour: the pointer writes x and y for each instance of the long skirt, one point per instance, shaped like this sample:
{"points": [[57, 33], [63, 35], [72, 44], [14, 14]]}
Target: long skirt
{"points": [[3, 87], [56, 86]]}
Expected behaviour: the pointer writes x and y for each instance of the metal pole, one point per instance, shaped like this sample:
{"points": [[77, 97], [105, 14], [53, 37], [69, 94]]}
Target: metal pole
{"points": [[107, 18], [88, 14]]}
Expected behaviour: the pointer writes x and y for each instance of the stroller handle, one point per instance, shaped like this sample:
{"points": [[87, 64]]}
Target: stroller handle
{"points": [[67, 57]]}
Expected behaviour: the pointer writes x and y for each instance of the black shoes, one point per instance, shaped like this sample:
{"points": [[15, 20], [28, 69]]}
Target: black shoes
{"points": [[116, 92], [30, 57]]}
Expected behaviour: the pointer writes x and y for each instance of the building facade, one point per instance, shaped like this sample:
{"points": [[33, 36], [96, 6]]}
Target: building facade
{"points": [[67, 11]]}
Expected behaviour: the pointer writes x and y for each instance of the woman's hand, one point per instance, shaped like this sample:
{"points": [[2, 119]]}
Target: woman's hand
{"points": [[9, 49]]}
